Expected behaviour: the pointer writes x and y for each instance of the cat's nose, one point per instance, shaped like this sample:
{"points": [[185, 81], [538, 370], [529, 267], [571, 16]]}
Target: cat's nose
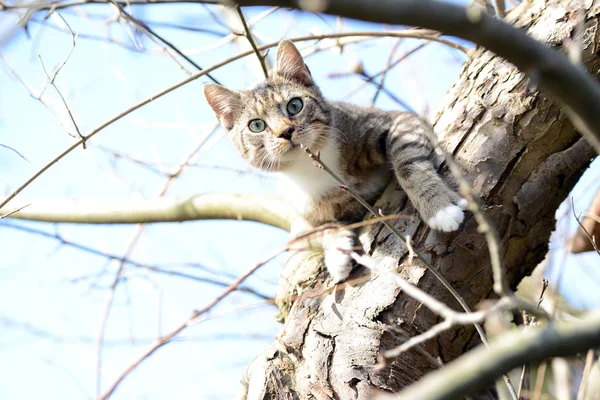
{"points": [[286, 133]]}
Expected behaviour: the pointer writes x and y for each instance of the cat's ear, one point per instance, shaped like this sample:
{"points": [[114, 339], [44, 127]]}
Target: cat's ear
{"points": [[290, 65], [225, 103]]}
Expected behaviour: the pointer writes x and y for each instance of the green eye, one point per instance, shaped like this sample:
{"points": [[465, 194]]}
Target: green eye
{"points": [[257, 125], [294, 106]]}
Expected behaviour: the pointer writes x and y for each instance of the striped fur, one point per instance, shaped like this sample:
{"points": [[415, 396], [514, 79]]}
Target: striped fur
{"points": [[365, 147]]}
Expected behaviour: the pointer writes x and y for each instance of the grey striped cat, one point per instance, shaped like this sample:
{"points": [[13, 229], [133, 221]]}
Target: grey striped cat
{"points": [[365, 147]]}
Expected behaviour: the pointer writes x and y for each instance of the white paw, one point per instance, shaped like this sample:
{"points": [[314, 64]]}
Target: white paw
{"points": [[339, 262], [447, 219], [463, 203]]}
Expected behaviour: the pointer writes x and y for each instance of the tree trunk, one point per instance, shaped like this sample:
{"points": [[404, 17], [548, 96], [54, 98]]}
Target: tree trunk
{"points": [[522, 155]]}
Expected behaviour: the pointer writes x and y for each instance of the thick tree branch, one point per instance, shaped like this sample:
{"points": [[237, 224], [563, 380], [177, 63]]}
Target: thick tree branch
{"points": [[242, 207], [577, 92], [481, 367]]}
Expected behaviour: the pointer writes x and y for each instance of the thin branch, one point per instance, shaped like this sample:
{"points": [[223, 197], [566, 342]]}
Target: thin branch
{"points": [[250, 38], [194, 318], [523, 381], [145, 28], [51, 80], [64, 61], [589, 362], [128, 260], [480, 367], [14, 150], [384, 72], [189, 157], [16, 210], [37, 97], [585, 231], [370, 79], [152, 166]]}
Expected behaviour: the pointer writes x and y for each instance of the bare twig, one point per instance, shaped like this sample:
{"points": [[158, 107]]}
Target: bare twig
{"points": [[132, 244], [51, 80], [590, 237], [15, 151], [250, 38], [145, 28], [64, 61], [589, 362], [37, 97], [191, 320], [384, 72], [16, 210], [128, 260], [481, 366], [152, 166], [370, 79], [523, 381], [544, 287]]}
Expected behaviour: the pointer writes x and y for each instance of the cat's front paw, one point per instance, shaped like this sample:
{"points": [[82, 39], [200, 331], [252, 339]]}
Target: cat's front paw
{"points": [[449, 218], [337, 257]]}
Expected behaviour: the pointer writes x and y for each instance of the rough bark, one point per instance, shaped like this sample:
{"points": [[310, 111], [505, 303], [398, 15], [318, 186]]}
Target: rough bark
{"points": [[519, 151]]}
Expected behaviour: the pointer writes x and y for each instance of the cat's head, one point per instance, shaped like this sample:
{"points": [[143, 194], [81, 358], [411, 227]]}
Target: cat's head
{"points": [[268, 123]]}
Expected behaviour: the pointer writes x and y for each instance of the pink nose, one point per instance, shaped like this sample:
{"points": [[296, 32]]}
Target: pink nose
{"points": [[286, 133]]}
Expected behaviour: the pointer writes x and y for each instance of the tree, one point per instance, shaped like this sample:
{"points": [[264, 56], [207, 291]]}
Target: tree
{"points": [[513, 144]]}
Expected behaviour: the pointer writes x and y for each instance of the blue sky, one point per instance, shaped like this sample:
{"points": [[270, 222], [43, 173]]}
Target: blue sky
{"points": [[52, 296]]}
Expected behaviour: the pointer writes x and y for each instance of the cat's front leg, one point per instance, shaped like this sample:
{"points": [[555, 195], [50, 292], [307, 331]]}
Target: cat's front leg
{"points": [[413, 158]]}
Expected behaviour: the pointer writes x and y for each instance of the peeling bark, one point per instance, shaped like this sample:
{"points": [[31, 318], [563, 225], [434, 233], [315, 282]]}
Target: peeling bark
{"points": [[522, 155]]}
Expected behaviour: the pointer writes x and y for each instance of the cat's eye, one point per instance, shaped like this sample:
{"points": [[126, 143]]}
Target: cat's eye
{"points": [[257, 125], [294, 106]]}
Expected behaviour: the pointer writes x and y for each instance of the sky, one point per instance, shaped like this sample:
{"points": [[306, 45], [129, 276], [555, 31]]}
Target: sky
{"points": [[52, 296]]}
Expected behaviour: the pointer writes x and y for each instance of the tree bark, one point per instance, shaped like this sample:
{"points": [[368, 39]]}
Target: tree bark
{"points": [[517, 148]]}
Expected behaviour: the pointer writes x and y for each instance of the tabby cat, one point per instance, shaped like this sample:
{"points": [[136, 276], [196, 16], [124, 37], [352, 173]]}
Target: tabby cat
{"points": [[269, 123]]}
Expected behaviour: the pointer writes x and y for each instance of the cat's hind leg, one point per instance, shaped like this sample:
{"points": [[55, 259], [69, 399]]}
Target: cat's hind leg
{"points": [[337, 246]]}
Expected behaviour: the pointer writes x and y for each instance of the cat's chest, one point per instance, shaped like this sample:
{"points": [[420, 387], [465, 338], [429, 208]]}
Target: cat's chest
{"points": [[303, 184]]}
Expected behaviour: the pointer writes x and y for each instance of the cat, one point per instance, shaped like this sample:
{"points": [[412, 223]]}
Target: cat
{"points": [[365, 147]]}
